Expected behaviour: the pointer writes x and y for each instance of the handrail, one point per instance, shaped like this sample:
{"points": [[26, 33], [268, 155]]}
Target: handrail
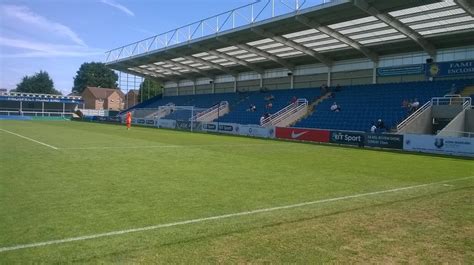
{"points": [[238, 17], [37, 113], [277, 116], [415, 114], [221, 106]]}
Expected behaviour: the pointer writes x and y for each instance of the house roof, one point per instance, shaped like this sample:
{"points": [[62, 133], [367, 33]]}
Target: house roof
{"points": [[99, 92], [134, 91]]}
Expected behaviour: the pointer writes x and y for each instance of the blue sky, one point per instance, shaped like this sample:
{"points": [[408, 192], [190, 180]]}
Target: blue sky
{"points": [[57, 36]]}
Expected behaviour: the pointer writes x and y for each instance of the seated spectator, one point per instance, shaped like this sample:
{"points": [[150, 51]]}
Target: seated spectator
{"points": [[414, 105], [266, 115], [405, 103], [269, 97], [262, 119], [293, 100], [324, 89], [380, 124], [335, 107], [453, 90], [254, 108], [269, 105], [373, 129]]}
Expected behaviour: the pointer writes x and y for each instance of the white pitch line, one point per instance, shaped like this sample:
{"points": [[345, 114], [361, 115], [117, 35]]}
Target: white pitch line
{"points": [[165, 146], [33, 140], [199, 220]]}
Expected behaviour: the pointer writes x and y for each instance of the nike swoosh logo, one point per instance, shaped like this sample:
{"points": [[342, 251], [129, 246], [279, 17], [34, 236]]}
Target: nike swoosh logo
{"points": [[296, 135]]}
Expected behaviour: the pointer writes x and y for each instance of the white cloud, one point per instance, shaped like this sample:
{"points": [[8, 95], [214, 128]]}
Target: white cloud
{"points": [[25, 15], [120, 7], [40, 49]]}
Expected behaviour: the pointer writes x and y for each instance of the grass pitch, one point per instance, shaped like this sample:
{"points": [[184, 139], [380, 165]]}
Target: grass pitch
{"points": [[102, 178]]}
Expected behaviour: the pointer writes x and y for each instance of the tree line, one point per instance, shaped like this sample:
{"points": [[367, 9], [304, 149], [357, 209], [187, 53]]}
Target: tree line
{"points": [[91, 74]]}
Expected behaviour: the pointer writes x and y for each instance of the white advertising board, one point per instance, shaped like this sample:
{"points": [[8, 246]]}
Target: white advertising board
{"points": [[459, 146]]}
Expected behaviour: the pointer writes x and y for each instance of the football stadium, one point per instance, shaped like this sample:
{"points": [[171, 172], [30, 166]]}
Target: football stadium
{"points": [[299, 131]]}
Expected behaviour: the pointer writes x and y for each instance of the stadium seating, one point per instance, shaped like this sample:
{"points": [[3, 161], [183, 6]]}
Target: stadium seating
{"points": [[363, 104]]}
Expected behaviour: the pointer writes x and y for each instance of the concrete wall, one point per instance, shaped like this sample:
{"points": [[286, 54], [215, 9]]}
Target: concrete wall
{"points": [[456, 125], [469, 120], [446, 111], [423, 124]]}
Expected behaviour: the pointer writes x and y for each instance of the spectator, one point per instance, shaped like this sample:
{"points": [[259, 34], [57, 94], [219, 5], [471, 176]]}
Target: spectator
{"points": [[266, 115], [405, 103], [338, 88], [262, 119], [380, 124], [414, 105], [335, 107], [254, 108], [453, 90], [269, 97], [293, 100], [269, 105], [373, 129]]}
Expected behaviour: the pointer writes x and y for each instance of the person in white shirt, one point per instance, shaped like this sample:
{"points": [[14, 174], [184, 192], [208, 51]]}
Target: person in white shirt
{"points": [[335, 107], [414, 105], [262, 119], [373, 129]]}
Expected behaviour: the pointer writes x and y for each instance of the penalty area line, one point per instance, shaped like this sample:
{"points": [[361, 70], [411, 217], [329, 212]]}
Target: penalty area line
{"points": [[218, 217], [29, 139]]}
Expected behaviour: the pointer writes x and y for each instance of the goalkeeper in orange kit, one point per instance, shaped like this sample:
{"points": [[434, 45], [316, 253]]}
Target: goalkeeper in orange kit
{"points": [[128, 120]]}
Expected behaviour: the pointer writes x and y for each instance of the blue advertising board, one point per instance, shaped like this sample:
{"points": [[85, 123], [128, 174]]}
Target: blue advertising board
{"points": [[40, 99], [401, 70], [450, 69]]}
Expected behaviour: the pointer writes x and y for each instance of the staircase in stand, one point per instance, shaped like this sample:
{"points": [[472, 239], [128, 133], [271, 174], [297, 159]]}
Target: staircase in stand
{"points": [[287, 115]]}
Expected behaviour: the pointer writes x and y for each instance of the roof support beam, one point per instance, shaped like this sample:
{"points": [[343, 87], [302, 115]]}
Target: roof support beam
{"points": [[292, 44], [146, 75], [467, 5], [397, 25], [211, 64], [190, 68], [258, 52], [172, 72], [229, 58], [338, 36]]}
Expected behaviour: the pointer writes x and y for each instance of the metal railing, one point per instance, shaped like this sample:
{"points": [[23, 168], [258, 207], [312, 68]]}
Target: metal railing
{"points": [[46, 96], [35, 113], [232, 19], [415, 114], [94, 112], [285, 112], [211, 111]]}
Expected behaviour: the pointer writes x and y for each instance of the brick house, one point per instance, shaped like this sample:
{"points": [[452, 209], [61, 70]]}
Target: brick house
{"points": [[131, 98], [103, 98]]}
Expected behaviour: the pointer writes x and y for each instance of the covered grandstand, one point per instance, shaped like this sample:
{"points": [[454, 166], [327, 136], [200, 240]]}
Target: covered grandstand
{"points": [[364, 46]]}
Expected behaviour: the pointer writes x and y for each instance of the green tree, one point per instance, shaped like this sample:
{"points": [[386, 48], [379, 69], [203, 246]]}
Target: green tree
{"points": [[149, 88], [94, 75], [37, 83]]}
